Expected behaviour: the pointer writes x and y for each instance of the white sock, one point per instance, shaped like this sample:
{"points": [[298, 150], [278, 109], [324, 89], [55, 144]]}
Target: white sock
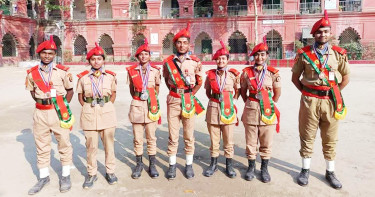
{"points": [[172, 160], [306, 163], [189, 159], [43, 172], [330, 165], [66, 170]]}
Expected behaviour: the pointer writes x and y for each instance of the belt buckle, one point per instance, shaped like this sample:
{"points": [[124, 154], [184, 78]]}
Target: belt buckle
{"points": [[180, 91], [45, 102]]}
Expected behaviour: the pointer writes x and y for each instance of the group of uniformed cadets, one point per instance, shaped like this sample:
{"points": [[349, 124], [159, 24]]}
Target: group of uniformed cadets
{"points": [[324, 69]]}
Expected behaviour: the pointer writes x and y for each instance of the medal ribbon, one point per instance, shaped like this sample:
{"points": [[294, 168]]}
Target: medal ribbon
{"points": [[221, 86], [144, 77], [49, 75], [320, 58], [95, 87], [260, 79]]}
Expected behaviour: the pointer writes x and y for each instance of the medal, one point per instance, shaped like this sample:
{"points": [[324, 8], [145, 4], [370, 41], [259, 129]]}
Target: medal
{"points": [[48, 94], [101, 102], [259, 96], [322, 75], [221, 98], [93, 102], [144, 96], [97, 73]]}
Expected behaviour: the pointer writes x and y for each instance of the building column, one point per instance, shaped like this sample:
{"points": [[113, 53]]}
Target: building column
{"points": [[21, 8], [153, 9], [90, 9], [186, 8], [120, 9]]}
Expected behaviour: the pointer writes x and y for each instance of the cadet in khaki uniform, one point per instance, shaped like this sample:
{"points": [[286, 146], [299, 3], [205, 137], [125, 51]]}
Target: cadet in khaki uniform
{"points": [[325, 71], [222, 88], [260, 112], [97, 93], [144, 81], [183, 77], [51, 86]]}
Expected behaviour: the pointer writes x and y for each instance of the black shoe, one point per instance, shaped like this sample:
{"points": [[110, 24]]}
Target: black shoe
{"points": [[89, 181], [250, 174], [171, 174], [303, 177], [333, 181], [39, 185], [189, 172], [152, 168], [111, 178], [212, 168], [229, 168], [264, 175], [138, 169], [65, 184]]}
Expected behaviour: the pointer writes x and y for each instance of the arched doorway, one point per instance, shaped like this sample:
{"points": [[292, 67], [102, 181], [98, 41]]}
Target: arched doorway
{"points": [[58, 51], [350, 40], [203, 44], [170, 9], [274, 42], [138, 40], [9, 46], [237, 42], [138, 10], [106, 43], [80, 46], [237, 8], [203, 8], [168, 46], [32, 48]]}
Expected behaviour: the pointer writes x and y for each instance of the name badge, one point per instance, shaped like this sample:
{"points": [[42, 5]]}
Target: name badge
{"points": [[53, 92], [331, 76]]}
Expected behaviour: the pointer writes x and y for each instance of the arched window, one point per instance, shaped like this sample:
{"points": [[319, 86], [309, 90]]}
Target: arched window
{"points": [[168, 46], [349, 35], [203, 44], [203, 8], [310, 6], [80, 46], [350, 40], [237, 42], [79, 10], [104, 9], [138, 40], [138, 10], [9, 46], [350, 5], [106, 43], [55, 12], [272, 7], [170, 9], [274, 42], [32, 48], [237, 7]]}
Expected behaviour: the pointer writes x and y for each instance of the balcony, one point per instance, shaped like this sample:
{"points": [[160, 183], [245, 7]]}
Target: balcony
{"points": [[310, 8], [237, 10], [350, 6], [272, 9], [138, 14], [203, 12], [171, 13]]}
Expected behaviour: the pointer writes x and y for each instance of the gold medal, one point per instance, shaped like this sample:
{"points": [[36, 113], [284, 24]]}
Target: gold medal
{"points": [[97, 73]]}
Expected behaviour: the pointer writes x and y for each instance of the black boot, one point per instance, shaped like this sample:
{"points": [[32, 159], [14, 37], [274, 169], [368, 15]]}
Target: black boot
{"points": [[303, 177], [189, 172], [138, 169], [229, 168], [65, 184], [332, 179], [89, 182], [111, 178], [250, 174], [39, 185], [265, 176], [171, 174], [152, 168], [212, 168]]}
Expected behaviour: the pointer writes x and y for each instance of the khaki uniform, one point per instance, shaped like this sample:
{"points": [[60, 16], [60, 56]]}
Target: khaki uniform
{"points": [[138, 116], [97, 121], [215, 126], [47, 121], [315, 112], [174, 109], [255, 129]]}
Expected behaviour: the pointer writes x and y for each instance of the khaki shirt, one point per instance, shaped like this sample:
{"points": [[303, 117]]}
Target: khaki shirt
{"points": [[252, 114], [338, 63], [232, 83], [61, 81], [138, 112], [97, 118]]}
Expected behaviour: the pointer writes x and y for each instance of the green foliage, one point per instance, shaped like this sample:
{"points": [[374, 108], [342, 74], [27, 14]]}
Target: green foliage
{"points": [[298, 45], [354, 50], [369, 51]]}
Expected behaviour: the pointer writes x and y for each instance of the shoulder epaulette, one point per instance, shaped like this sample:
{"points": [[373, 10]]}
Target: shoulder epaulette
{"points": [[59, 66], [211, 70], [246, 68], [131, 67], [272, 69], [304, 49], [195, 58], [110, 72], [156, 67], [31, 69], [80, 75], [234, 71], [340, 50]]}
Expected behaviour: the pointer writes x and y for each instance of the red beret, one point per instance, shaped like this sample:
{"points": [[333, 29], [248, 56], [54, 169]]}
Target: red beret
{"points": [[323, 22], [95, 51], [220, 52], [47, 45], [143, 47], [260, 47], [183, 33]]}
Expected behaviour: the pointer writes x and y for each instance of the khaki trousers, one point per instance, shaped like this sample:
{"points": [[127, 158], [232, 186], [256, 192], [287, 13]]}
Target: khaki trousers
{"points": [[215, 134], [138, 130], [45, 122], [262, 134], [92, 141]]}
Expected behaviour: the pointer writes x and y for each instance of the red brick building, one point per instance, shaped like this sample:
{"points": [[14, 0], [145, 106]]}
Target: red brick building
{"points": [[120, 26]]}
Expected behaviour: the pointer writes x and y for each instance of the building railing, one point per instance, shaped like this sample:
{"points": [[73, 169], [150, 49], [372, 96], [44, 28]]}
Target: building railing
{"points": [[203, 12], [105, 14], [310, 8], [350, 6], [170, 12], [237, 10], [54, 16], [272, 9], [138, 14], [79, 15]]}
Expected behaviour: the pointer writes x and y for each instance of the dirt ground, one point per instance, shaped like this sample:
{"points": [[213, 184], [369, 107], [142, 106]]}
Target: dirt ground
{"points": [[355, 162]]}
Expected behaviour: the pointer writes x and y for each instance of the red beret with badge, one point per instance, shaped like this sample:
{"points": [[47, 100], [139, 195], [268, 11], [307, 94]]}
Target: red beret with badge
{"points": [[260, 47], [98, 51], [183, 33], [143, 47], [323, 22], [47, 45], [222, 51]]}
